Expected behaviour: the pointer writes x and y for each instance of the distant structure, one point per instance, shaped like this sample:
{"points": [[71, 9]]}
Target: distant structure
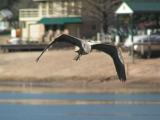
{"points": [[137, 17], [52, 15]]}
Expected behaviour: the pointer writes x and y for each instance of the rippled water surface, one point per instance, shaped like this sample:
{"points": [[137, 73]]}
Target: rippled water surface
{"points": [[20, 106]]}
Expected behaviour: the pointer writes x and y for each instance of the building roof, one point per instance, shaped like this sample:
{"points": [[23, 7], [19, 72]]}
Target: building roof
{"points": [[137, 6], [60, 20]]}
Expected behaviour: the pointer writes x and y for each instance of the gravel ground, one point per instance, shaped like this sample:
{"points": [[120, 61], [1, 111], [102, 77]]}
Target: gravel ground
{"points": [[93, 73]]}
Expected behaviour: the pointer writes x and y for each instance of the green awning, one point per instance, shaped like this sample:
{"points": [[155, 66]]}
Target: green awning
{"points": [[144, 5], [139, 6], [60, 20]]}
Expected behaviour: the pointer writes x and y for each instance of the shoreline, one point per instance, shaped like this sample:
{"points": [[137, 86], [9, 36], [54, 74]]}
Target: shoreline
{"points": [[77, 90], [77, 86]]}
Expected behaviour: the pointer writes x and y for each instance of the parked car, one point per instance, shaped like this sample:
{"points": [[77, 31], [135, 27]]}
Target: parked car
{"points": [[144, 43]]}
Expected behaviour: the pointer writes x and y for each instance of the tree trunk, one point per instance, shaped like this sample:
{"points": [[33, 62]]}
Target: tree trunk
{"points": [[105, 22]]}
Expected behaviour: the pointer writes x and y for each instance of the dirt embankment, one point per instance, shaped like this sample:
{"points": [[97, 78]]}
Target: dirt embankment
{"points": [[60, 73]]}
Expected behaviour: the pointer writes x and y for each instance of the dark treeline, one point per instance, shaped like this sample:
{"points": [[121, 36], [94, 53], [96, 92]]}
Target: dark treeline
{"points": [[15, 5]]}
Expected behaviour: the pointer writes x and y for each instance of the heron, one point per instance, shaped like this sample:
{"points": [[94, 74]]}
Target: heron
{"points": [[85, 47]]}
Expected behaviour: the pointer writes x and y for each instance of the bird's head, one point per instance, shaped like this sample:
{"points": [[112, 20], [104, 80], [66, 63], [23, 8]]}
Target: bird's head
{"points": [[77, 49]]}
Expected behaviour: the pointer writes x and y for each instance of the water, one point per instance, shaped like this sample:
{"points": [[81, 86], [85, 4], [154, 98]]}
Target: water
{"points": [[131, 107]]}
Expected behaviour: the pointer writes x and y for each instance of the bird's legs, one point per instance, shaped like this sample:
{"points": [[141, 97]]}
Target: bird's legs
{"points": [[77, 57]]}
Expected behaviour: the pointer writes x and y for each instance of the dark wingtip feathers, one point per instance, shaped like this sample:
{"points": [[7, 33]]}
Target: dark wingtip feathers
{"points": [[37, 60]]}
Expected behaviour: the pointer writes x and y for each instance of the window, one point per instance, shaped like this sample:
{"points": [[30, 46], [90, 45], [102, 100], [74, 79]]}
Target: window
{"points": [[64, 8], [74, 7], [44, 8], [50, 8]]}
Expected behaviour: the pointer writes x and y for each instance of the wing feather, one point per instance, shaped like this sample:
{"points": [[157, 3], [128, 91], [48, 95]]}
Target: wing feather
{"points": [[116, 56], [63, 38]]}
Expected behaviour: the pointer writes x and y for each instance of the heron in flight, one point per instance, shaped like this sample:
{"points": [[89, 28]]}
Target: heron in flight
{"points": [[86, 47]]}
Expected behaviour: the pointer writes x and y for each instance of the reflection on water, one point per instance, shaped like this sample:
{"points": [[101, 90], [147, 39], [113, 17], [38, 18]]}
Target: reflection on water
{"points": [[110, 107]]}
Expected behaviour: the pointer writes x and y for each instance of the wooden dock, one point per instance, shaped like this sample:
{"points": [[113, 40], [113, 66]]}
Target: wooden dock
{"points": [[22, 47]]}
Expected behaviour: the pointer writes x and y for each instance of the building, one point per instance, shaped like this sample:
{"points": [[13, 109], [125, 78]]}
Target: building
{"points": [[51, 15], [137, 17]]}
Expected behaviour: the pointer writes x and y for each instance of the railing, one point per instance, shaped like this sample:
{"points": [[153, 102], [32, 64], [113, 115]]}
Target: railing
{"points": [[28, 13], [34, 13]]}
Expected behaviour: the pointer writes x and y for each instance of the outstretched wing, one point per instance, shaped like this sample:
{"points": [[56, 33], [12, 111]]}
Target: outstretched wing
{"points": [[116, 56], [63, 38]]}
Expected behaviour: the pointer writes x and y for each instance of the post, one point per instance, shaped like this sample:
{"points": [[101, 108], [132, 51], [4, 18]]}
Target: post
{"points": [[132, 39], [78, 30], [149, 44], [28, 38], [149, 50], [117, 39]]}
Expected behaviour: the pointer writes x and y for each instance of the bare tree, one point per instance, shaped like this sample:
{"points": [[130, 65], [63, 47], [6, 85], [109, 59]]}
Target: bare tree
{"points": [[101, 11]]}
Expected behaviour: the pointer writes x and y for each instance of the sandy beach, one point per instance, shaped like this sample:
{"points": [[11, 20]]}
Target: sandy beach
{"points": [[58, 72]]}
